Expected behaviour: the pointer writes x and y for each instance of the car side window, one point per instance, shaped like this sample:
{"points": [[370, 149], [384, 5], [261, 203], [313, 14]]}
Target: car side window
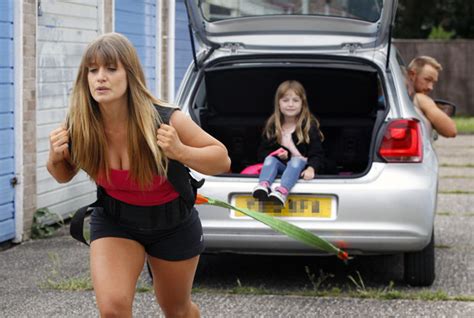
{"points": [[403, 68], [400, 59], [402, 64]]}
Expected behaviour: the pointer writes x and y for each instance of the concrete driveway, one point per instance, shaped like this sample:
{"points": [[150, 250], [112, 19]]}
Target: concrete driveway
{"points": [[232, 286]]}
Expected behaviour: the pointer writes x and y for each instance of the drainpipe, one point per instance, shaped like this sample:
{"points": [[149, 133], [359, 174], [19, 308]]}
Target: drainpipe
{"points": [[170, 53], [18, 97], [305, 6], [159, 49]]}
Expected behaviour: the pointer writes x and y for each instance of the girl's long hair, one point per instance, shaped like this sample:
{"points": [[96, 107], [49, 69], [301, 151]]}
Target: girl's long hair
{"points": [[273, 126], [85, 122]]}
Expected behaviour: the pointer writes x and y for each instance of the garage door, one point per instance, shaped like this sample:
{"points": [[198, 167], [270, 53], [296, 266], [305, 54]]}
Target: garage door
{"points": [[7, 149], [183, 54], [64, 30], [136, 19]]}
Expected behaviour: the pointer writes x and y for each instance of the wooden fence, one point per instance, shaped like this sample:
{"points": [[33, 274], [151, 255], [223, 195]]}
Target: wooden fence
{"points": [[456, 81]]}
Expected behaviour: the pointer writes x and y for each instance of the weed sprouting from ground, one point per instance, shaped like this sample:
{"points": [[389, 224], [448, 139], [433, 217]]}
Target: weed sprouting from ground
{"points": [[359, 282], [240, 289], [39, 228], [56, 279], [317, 281]]}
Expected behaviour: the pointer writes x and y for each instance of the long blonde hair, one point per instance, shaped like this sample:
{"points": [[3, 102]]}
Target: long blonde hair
{"points": [[273, 126], [85, 124]]}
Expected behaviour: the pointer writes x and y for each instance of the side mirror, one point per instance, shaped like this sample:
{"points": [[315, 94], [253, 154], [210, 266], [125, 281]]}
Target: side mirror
{"points": [[447, 107]]}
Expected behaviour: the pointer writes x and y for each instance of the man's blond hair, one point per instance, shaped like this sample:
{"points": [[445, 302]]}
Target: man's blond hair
{"points": [[419, 62]]}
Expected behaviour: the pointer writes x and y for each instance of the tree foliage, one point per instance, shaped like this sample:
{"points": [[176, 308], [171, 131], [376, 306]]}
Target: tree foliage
{"points": [[418, 19]]}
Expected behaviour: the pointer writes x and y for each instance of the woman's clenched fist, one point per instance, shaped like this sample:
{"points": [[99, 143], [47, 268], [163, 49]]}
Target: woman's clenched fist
{"points": [[58, 142]]}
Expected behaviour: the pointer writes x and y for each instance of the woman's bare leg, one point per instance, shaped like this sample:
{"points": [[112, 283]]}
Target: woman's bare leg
{"points": [[173, 281], [116, 264]]}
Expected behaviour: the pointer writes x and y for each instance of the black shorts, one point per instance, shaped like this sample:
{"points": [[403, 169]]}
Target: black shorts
{"points": [[179, 242]]}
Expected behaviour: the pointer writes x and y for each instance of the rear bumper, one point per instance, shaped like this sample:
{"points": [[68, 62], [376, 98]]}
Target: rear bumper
{"points": [[275, 244], [389, 210]]}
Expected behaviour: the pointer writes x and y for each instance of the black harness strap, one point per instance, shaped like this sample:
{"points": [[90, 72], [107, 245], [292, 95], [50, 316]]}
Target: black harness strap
{"points": [[178, 175], [76, 228], [77, 224], [181, 180]]}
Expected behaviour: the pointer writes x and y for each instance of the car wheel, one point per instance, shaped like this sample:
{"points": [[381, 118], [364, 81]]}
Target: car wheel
{"points": [[420, 266]]}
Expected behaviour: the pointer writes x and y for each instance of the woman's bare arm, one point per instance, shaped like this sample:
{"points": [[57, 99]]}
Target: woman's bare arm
{"points": [[185, 141]]}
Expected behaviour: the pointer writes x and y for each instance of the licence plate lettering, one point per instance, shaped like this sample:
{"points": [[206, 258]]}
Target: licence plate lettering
{"points": [[296, 206], [315, 207]]}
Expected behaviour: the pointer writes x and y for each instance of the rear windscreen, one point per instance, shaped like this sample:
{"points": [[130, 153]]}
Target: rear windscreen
{"points": [[367, 10]]}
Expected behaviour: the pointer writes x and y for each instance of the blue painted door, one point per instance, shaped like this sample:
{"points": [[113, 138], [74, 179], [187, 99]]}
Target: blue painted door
{"points": [[183, 53], [7, 136], [136, 19]]}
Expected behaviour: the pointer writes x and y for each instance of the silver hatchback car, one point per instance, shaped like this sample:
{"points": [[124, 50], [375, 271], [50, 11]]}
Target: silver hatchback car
{"points": [[377, 194]]}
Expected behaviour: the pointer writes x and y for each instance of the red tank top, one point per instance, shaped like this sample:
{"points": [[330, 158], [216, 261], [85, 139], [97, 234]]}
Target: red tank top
{"points": [[122, 188]]}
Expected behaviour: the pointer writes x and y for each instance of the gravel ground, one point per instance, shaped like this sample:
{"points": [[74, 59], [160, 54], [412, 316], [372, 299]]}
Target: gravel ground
{"points": [[24, 270]]}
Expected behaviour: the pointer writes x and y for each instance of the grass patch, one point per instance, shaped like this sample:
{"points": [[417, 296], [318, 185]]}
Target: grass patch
{"points": [[465, 125], [355, 289], [442, 246], [69, 284], [457, 177], [368, 293], [57, 281], [456, 192], [463, 298], [245, 290], [452, 165], [455, 214], [84, 284], [144, 287]]}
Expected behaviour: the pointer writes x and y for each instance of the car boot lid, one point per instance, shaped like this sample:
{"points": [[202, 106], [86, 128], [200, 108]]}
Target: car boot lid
{"points": [[347, 25]]}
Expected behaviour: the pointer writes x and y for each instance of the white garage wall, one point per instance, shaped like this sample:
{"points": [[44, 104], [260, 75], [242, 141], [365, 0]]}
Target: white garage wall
{"points": [[65, 27]]}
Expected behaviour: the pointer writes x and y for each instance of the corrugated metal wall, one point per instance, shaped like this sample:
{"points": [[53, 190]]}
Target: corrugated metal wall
{"points": [[7, 119], [136, 19], [64, 30], [183, 54]]}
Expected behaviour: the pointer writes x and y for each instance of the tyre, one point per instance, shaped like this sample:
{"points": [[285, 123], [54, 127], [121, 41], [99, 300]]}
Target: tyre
{"points": [[420, 266]]}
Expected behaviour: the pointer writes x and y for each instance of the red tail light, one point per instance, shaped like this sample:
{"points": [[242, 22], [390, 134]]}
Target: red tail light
{"points": [[402, 142]]}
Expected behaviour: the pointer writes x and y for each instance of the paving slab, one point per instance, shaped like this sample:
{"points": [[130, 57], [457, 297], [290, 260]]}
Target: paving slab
{"points": [[445, 172], [456, 204], [462, 141], [456, 184]]}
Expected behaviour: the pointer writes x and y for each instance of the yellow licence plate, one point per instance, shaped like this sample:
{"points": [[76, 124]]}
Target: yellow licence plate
{"points": [[297, 206]]}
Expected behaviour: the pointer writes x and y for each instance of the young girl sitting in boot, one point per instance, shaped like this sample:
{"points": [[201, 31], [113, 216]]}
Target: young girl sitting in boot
{"points": [[291, 144]]}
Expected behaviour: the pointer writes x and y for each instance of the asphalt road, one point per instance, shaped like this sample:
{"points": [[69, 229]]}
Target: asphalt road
{"points": [[231, 286]]}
